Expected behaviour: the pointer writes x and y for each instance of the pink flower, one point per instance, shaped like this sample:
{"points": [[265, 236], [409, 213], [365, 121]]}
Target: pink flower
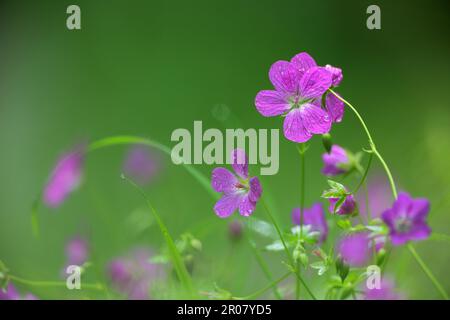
{"points": [[314, 217], [66, 177], [299, 86], [355, 249], [407, 219], [239, 191]]}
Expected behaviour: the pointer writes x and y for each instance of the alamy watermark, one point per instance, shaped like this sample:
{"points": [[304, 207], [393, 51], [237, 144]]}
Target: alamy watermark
{"points": [[212, 146]]}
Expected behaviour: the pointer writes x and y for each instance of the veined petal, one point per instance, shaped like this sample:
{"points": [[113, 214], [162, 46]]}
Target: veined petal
{"points": [[335, 107], [246, 206], [303, 62], [336, 74], [239, 162], [255, 189], [315, 82], [294, 128], [228, 204], [271, 103], [222, 180], [315, 119], [284, 77]]}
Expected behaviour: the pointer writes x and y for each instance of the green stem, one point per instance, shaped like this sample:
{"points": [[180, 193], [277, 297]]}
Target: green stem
{"points": [[261, 291], [92, 286], [301, 151], [427, 271], [288, 253], [175, 256], [262, 264], [372, 144]]}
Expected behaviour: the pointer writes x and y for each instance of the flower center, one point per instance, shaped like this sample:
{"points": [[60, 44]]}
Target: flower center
{"points": [[403, 225]]}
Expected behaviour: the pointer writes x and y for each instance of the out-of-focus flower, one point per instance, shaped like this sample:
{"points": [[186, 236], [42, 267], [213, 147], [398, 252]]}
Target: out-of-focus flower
{"points": [[336, 162], [347, 207], [385, 292], [65, 178], [240, 192], [235, 230], [378, 196], [77, 251], [355, 249], [314, 217], [141, 164], [299, 86], [407, 219], [134, 275], [11, 293]]}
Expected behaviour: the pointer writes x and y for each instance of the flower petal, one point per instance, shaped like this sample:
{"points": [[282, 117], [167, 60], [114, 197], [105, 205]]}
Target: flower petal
{"points": [[303, 62], [315, 119], [336, 74], [315, 82], [222, 180], [255, 189], [419, 209], [284, 77], [335, 108], [293, 127], [228, 204], [239, 162], [247, 206], [271, 103]]}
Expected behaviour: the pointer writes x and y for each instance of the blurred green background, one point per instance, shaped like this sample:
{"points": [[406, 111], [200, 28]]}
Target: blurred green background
{"points": [[146, 68]]}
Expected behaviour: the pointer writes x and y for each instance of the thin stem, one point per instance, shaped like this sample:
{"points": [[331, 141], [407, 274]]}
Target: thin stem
{"points": [[288, 253], [427, 271], [364, 174], [261, 291], [301, 151], [372, 144], [262, 264], [36, 283], [177, 260]]}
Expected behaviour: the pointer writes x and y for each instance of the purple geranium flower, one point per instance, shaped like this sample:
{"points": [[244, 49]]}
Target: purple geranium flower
{"points": [[335, 162], [355, 249], [385, 292], [133, 276], [347, 207], [299, 86], [141, 164], [239, 191], [66, 177], [314, 217], [77, 251], [407, 219]]}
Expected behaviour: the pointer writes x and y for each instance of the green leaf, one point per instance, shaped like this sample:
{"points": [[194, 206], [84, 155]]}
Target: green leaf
{"points": [[277, 245], [344, 224]]}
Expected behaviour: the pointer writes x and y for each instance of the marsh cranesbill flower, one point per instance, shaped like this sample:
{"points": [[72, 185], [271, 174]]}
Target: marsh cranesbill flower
{"points": [[336, 162], [347, 207], [77, 251], [239, 191], [134, 275], [385, 292], [141, 164], [299, 86], [355, 249], [407, 219], [314, 217], [65, 178]]}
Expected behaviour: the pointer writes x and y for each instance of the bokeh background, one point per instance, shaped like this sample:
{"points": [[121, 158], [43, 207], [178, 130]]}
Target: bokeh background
{"points": [[146, 68]]}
